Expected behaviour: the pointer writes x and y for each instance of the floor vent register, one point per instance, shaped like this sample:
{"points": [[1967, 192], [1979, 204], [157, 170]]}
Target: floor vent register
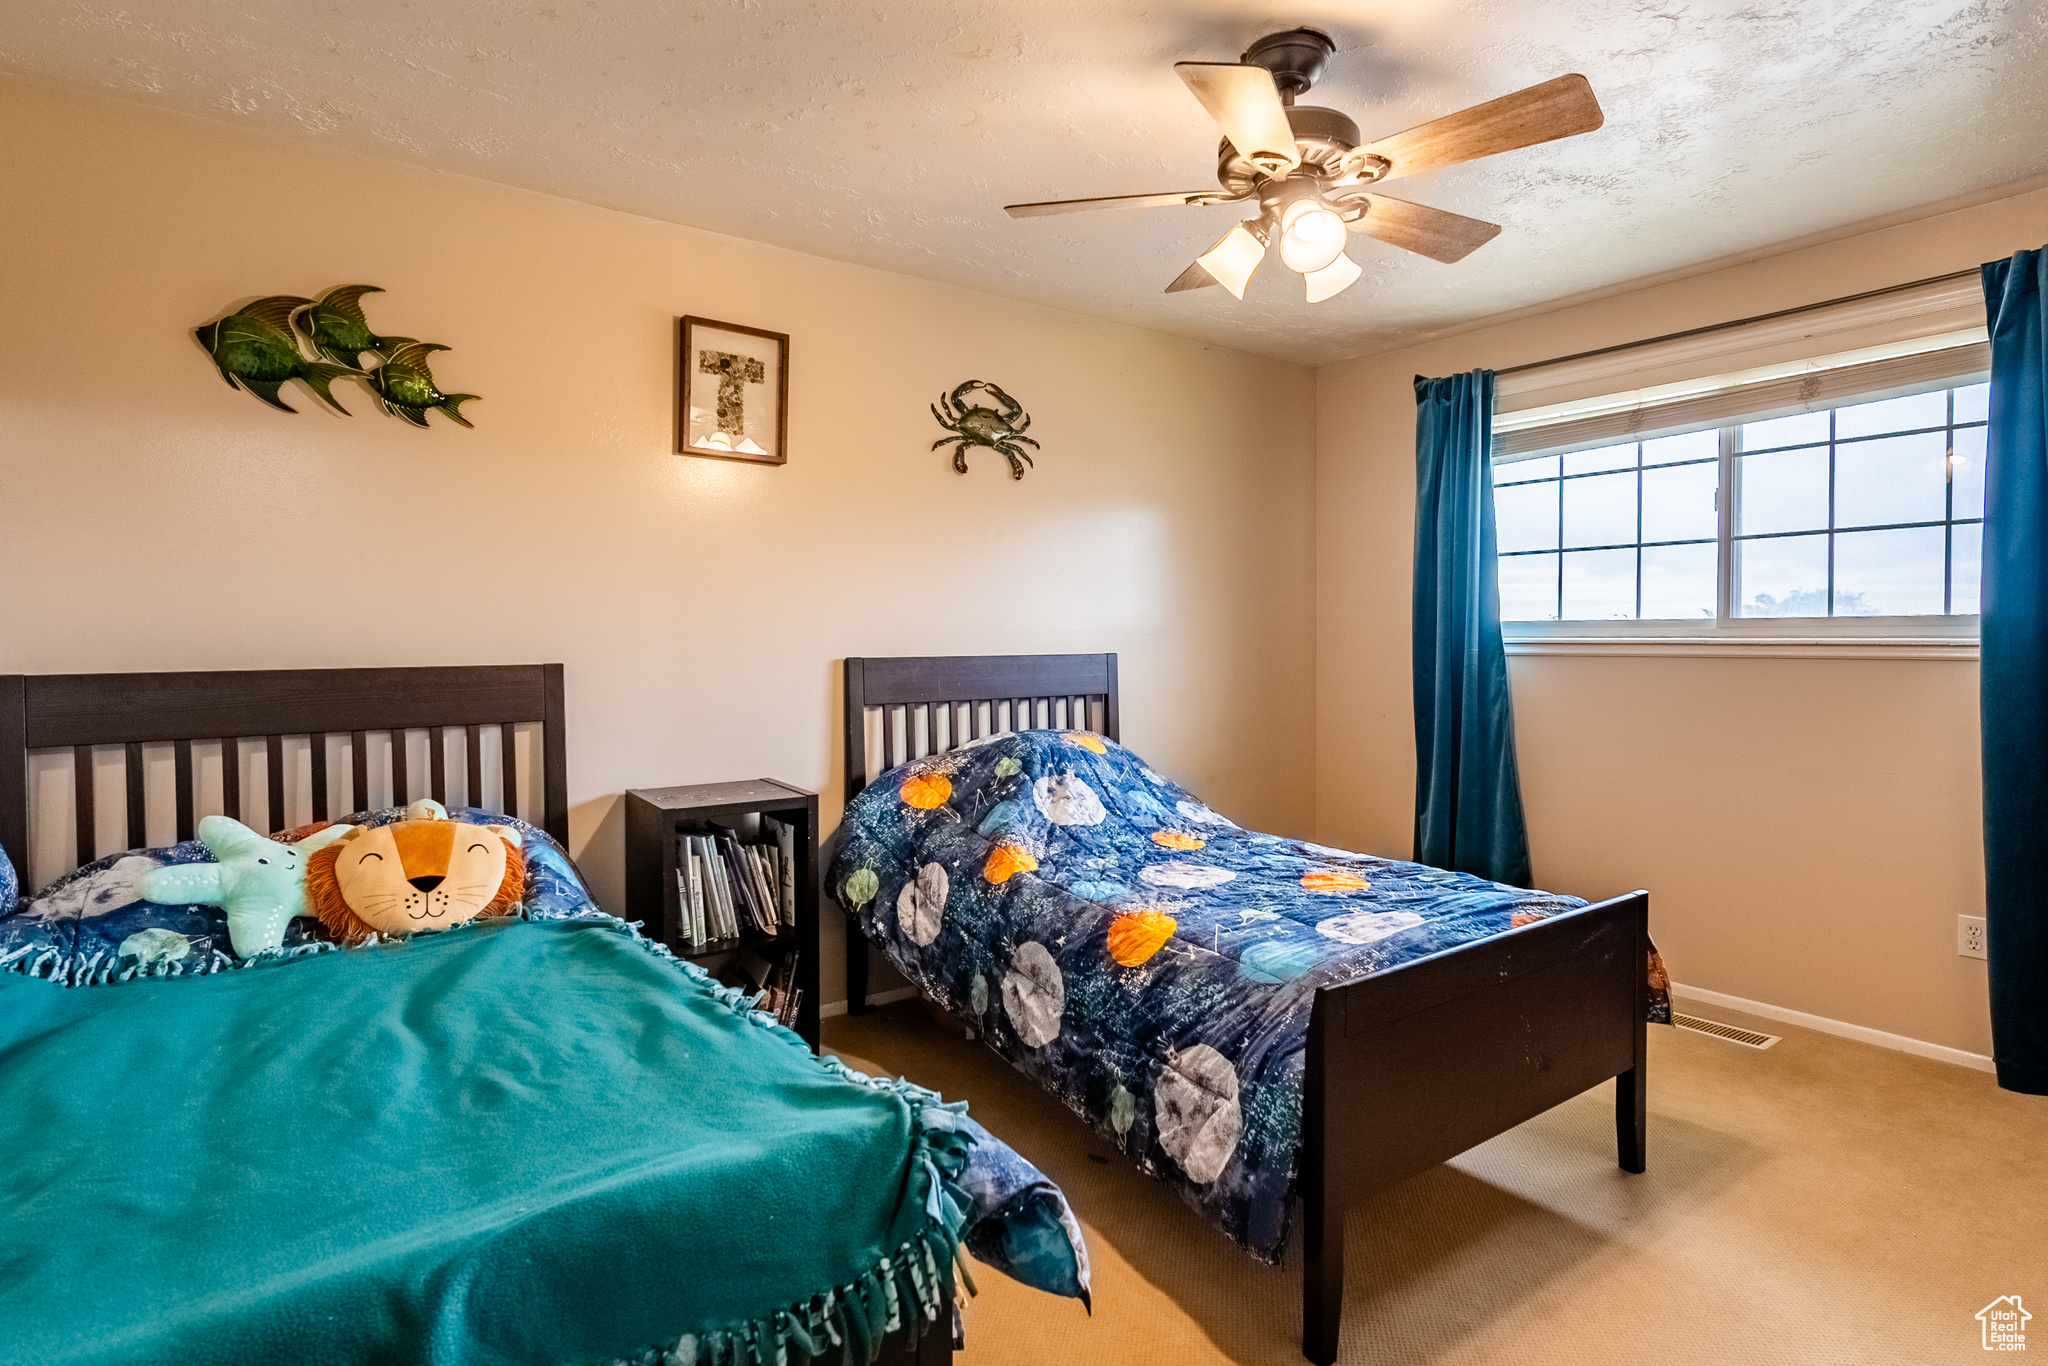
{"points": [[1748, 1038]]}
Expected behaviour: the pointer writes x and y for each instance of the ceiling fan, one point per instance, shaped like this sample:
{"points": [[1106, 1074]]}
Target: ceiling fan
{"points": [[1312, 179]]}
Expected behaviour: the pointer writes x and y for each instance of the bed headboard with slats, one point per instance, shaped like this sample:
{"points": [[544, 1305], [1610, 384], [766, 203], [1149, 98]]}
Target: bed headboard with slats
{"points": [[946, 700], [340, 708]]}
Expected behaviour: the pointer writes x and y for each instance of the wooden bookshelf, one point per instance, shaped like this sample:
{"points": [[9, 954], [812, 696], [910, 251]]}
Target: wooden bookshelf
{"points": [[656, 816]]}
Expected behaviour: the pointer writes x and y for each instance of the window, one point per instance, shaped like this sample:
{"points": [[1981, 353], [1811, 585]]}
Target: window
{"points": [[1871, 509]]}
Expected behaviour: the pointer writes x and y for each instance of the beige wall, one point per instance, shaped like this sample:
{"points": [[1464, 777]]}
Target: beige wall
{"points": [[1809, 829], [158, 520]]}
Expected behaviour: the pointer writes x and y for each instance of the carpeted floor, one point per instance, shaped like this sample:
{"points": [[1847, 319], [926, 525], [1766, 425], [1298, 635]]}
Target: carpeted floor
{"points": [[1822, 1201]]}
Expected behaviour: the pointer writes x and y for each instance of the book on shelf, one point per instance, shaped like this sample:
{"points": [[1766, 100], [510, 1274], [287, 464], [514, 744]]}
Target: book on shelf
{"points": [[687, 893], [705, 911], [735, 909], [714, 875], [694, 881], [788, 857], [695, 916], [707, 895], [739, 882], [783, 835], [770, 880], [701, 911], [747, 872], [792, 996], [780, 995], [750, 873], [728, 881], [725, 886]]}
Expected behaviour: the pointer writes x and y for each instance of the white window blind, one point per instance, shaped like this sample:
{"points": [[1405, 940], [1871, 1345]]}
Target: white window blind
{"points": [[1806, 391], [1885, 345]]}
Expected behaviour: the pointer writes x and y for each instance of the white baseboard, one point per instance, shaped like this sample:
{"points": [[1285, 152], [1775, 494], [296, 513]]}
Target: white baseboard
{"points": [[1919, 1048], [875, 998], [1862, 1034]]}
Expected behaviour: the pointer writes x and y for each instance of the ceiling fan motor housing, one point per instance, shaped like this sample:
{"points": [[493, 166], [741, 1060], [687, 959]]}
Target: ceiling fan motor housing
{"points": [[1321, 136], [1297, 59]]}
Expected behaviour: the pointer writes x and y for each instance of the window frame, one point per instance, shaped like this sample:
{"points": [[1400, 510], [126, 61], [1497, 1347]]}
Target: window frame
{"points": [[1948, 635]]}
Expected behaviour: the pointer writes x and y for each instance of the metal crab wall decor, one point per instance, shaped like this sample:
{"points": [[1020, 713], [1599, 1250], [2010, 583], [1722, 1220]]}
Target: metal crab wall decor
{"points": [[1000, 428]]}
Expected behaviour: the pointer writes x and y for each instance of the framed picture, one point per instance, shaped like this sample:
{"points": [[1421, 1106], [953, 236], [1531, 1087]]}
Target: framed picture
{"points": [[735, 392]]}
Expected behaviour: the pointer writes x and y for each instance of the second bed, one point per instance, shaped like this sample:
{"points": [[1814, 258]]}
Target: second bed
{"points": [[1247, 1017]]}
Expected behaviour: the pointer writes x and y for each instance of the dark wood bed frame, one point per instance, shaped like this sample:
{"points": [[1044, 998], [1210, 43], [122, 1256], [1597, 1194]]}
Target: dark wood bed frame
{"points": [[1405, 1068], [78, 712]]}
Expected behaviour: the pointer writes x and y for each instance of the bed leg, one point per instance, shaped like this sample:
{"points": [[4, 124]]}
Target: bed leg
{"points": [[1631, 1126], [1631, 1088], [856, 968], [1322, 1279]]}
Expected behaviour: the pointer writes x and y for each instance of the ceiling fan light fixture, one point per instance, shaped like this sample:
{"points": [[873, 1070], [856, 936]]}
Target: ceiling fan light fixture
{"points": [[1233, 260], [1332, 279], [1311, 236], [1307, 169]]}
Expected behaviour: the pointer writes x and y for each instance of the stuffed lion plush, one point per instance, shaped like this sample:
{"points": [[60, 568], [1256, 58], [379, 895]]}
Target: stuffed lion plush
{"points": [[425, 872]]}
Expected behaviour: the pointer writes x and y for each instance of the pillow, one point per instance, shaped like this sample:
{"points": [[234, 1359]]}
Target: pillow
{"points": [[88, 927], [554, 889], [426, 872]]}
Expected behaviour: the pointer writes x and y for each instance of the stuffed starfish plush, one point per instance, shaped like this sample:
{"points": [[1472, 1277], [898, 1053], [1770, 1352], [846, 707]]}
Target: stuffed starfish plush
{"points": [[260, 883]]}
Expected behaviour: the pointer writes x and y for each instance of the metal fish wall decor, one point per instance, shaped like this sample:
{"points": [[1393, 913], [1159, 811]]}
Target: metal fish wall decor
{"points": [[257, 348]]}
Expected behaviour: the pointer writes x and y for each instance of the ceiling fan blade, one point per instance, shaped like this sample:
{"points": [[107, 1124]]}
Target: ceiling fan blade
{"points": [[1435, 233], [1555, 109], [1244, 100], [1196, 276], [1117, 201]]}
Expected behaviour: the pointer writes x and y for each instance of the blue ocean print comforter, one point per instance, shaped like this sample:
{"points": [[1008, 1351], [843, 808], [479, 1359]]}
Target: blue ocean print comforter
{"points": [[1136, 953]]}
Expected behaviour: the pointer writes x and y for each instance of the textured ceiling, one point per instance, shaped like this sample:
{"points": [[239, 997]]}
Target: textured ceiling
{"points": [[890, 132]]}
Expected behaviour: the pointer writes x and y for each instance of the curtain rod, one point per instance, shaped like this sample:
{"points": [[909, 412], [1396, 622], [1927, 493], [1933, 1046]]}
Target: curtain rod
{"points": [[1740, 322]]}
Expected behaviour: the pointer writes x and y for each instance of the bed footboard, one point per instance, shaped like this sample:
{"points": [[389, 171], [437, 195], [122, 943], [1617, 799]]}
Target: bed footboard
{"points": [[1410, 1067]]}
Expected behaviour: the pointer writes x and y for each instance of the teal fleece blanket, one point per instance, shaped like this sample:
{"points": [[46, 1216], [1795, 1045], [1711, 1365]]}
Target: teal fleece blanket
{"points": [[515, 1142]]}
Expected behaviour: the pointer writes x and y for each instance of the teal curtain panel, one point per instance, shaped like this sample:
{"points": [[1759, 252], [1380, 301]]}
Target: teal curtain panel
{"points": [[2014, 673], [1468, 795]]}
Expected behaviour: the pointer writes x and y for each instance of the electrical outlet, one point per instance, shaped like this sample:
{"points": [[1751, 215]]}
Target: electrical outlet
{"points": [[1970, 936]]}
